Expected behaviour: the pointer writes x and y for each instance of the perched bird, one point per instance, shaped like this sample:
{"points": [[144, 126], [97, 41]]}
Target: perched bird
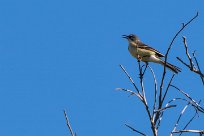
{"points": [[146, 53]]}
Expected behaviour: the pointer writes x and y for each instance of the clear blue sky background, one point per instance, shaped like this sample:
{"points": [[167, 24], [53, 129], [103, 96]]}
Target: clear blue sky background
{"points": [[65, 54]]}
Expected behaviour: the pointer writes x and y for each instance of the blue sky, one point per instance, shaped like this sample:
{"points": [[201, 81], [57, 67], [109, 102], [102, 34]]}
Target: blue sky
{"points": [[65, 54]]}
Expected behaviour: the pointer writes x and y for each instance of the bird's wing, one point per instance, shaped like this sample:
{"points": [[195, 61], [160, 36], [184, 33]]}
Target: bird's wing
{"points": [[146, 47]]}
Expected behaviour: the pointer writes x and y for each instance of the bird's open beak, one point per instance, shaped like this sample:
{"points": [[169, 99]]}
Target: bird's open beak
{"points": [[125, 36]]}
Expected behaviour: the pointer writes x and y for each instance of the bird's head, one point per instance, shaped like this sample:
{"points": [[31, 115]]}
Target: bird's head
{"points": [[131, 38]]}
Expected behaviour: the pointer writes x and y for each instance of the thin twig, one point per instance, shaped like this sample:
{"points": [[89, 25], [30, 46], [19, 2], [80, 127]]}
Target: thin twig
{"points": [[68, 124], [182, 112], [200, 73], [133, 129], [168, 103], [167, 107], [187, 53], [155, 91], [196, 113], [146, 65], [130, 79], [190, 130], [191, 65], [167, 89], [199, 108], [131, 92], [184, 63]]}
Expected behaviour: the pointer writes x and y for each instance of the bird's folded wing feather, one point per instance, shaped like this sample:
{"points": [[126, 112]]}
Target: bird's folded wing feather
{"points": [[146, 47]]}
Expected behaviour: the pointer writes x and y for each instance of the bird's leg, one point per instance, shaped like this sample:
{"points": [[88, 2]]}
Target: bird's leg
{"points": [[139, 57]]}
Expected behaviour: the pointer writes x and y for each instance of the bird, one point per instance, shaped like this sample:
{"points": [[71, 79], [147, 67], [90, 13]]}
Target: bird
{"points": [[145, 53]]}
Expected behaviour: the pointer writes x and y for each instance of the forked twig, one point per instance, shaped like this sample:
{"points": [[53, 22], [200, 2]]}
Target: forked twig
{"points": [[182, 112], [196, 113], [158, 114], [191, 65], [168, 103], [131, 80], [141, 96], [194, 103]]}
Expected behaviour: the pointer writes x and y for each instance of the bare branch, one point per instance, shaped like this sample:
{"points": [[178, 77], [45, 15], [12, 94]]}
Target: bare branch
{"points": [[146, 65], [161, 100], [194, 103], [133, 129], [153, 127], [182, 28], [187, 54], [167, 107], [155, 91], [130, 79], [199, 71], [169, 102], [141, 73], [191, 131], [167, 52], [131, 92], [68, 124], [196, 113], [183, 62], [182, 112], [191, 65], [167, 89], [142, 97]]}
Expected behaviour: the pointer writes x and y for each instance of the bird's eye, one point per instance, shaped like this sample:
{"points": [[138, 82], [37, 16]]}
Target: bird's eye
{"points": [[131, 38]]}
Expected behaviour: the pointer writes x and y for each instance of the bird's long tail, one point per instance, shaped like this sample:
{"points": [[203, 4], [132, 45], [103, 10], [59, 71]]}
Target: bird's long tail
{"points": [[172, 67]]}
